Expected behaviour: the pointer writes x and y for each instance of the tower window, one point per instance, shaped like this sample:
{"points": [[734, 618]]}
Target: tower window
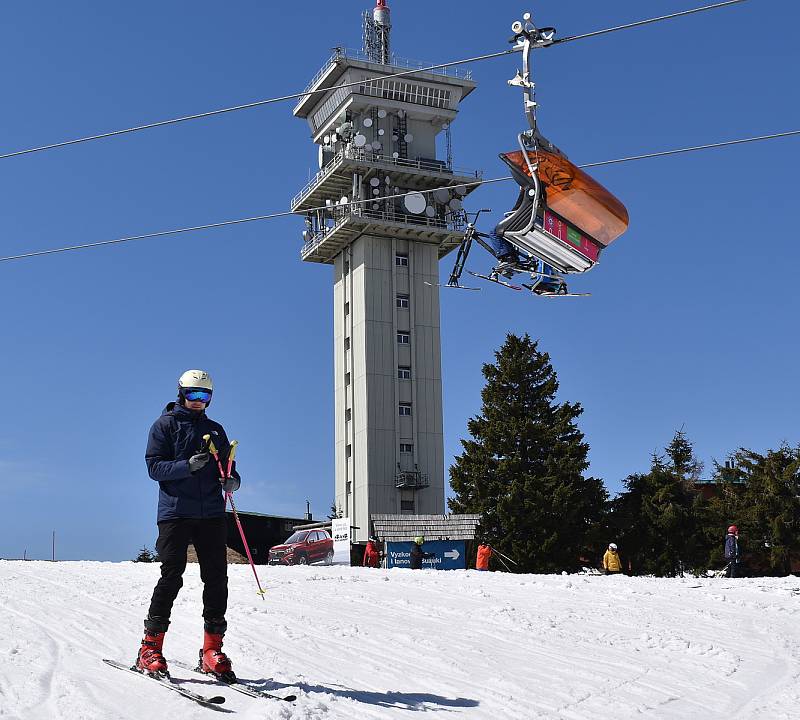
{"points": [[405, 409], [401, 260], [406, 448], [348, 415], [347, 378], [404, 373], [347, 343], [348, 451], [403, 338], [347, 308], [402, 302]]}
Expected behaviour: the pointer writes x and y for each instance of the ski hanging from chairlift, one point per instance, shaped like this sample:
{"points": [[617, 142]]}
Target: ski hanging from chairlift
{"points": [[563, 218]]}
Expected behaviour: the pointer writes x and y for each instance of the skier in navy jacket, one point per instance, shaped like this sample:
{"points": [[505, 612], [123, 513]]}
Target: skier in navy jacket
{"points": [[191, 510], [732, 551]]}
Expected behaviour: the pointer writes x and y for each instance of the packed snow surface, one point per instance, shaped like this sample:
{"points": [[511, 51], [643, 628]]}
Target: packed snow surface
{"points": [[361, 643]]}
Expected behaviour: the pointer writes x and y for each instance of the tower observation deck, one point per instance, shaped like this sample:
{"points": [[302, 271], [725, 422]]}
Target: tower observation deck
{"points": [[377, 138]]}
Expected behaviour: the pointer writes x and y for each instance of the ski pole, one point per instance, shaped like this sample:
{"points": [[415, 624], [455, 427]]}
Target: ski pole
{"points": [[504, 562], [229, 496], [495, 550]]}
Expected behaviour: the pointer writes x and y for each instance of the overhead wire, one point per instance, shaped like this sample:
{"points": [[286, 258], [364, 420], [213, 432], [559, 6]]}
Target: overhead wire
{"points": [[286, 213], [307, 92], [639, 23]]}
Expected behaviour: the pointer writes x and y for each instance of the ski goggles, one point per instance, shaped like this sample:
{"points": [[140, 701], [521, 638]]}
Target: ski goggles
{"points": [[197, 395]]}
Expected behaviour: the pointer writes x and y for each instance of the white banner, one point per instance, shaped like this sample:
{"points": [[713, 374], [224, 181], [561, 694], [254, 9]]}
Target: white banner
{"points": [[340, 528]]}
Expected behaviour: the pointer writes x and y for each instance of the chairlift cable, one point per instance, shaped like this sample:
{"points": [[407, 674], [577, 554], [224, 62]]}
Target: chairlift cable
{"points": [[639, 23], [294, 96], [691, 149], [256, 103], [286, 213]]}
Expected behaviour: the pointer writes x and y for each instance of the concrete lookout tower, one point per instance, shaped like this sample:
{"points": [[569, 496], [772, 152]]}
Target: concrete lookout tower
{"points": [[377, 137]]}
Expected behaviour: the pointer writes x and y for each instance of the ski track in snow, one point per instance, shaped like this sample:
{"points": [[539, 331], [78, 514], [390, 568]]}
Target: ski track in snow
{"points": [[378, 644]]}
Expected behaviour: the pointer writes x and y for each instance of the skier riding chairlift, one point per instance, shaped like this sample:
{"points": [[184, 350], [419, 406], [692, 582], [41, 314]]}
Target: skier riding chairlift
{"points": [[562, 219]]}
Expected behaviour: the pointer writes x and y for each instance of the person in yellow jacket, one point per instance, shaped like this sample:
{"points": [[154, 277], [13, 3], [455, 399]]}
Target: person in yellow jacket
{"points": [[611, 561]]}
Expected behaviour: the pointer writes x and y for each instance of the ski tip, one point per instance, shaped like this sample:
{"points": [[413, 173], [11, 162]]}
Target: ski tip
{"points": [[216, 700]]}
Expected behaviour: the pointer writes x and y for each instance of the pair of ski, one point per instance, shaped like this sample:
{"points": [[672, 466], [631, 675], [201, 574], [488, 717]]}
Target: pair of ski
{"points": [[206, 700]]}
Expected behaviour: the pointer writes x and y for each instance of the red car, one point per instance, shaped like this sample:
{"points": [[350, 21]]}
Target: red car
{"points": [[303, 548]]}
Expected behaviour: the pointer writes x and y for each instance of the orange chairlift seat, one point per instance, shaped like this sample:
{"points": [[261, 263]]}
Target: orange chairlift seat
{"points": [[576, 219]]}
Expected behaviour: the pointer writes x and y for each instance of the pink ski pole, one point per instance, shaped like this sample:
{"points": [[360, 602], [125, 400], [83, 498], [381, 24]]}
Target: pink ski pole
{"points": [[229, 496]]}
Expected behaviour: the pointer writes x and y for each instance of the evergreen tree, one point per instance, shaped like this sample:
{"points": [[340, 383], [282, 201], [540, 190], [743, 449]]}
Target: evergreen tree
{"points": [[146, 556], [660, 509], [522, 469], [771, 501]]}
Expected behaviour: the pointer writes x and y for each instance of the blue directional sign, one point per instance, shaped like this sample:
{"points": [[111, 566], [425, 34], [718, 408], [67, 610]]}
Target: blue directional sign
{"points": [[448, 554]]}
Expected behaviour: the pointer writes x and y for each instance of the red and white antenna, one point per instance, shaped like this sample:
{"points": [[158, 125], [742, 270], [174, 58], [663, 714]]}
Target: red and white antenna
{"points": [[377, 28]]}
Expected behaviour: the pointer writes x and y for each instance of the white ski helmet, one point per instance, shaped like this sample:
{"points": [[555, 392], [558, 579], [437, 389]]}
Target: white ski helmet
{"points": [[195, 379], [612, 546]]}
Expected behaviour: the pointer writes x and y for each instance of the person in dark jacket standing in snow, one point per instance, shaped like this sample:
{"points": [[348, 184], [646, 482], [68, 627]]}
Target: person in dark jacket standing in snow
{"points": [[417, 553], [732, 551], [191, 510]]}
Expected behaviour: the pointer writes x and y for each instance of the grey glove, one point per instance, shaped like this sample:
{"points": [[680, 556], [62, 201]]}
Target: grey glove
{"points": [[198, 462], [230, 484]]}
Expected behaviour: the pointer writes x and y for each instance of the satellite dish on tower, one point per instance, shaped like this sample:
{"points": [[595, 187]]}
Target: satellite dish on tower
{"points": [[360, 140], [415, 203], [461, 190], [455, 204], [381, 113], [441, 195], [367, 122]]}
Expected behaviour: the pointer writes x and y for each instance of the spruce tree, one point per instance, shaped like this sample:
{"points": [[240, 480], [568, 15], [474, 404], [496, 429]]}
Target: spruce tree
{"points": [[522, 469], [656, 515], [771, 503]]}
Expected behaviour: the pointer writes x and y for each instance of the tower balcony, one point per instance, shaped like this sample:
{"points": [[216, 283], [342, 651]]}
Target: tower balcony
{"points": [[336, 178], [411, 480], [351, 221]]}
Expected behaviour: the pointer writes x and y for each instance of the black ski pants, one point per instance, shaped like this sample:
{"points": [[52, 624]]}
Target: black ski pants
{"points": [[208, 537]]}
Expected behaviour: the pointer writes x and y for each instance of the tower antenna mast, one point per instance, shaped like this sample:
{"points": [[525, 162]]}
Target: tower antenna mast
{"points": [[377, 29]]}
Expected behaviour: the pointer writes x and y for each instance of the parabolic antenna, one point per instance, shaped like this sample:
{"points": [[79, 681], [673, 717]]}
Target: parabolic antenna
{"points": [[367, 122], [455, 204], [376, 145], [376, 191], [374, 182], [381, 131], [461, 190], [430, 211], [395, 155], [409, 137], [360, 140], [415, 203], [441, 195], [343, 201], [381, 113]]}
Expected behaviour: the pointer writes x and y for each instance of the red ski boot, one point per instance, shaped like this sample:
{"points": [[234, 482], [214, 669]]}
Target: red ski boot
{"points": [[212, 660], [150, 660]]}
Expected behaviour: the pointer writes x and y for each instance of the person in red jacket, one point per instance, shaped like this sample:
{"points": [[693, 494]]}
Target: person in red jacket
{"points": [[372, 553], [484, 555]]}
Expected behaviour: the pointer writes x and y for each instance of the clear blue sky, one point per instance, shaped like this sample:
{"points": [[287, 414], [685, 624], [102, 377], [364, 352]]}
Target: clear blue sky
{"points": [[693, 316]]}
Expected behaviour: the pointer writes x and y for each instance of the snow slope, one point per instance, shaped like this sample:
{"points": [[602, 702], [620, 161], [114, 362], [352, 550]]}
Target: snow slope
{"points": [[368, 644]]}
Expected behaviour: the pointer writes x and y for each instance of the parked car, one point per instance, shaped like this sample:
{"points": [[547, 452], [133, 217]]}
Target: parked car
{"points": [[303, 548]]}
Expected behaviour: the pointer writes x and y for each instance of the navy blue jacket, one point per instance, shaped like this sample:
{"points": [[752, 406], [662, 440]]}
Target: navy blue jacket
{"points": [[174, 438], [731, 547]]}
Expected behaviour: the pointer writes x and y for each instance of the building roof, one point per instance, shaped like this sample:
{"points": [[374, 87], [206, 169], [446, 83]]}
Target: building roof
{"points": [[404, 528]]}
